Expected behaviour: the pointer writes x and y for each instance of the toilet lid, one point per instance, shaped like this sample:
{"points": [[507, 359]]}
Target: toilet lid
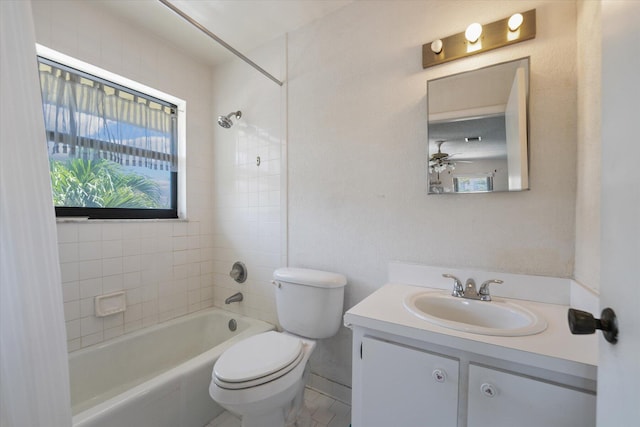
{"points": [[257, 356]]}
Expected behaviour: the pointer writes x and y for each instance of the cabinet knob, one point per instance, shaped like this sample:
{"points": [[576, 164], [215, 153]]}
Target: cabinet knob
{"points": [[488, 390], [439, 375]]}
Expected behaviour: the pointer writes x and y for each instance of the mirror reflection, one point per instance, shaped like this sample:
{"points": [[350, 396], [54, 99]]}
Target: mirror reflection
{"points": [[477, 127]]}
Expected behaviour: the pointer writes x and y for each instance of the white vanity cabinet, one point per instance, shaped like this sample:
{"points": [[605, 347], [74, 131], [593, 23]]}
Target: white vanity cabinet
{"points": [[403, 382], [503, 399], [404, 386]]}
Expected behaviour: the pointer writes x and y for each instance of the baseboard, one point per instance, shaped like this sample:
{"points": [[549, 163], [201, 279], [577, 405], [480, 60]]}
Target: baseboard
{"points": [[330, 388]]}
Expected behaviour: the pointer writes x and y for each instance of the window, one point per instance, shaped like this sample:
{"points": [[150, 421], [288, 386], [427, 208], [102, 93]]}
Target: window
{"points": [[113, 150], [473, 184]]}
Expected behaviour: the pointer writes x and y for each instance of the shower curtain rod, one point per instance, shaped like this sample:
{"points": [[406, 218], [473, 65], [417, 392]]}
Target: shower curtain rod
{"points": [[219, 40]]}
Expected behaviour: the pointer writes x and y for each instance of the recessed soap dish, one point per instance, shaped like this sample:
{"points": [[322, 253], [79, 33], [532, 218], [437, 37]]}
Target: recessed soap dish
{"points": [[108, 304]]}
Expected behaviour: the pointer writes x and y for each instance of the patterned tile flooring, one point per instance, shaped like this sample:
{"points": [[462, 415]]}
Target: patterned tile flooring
{"points": [[319, 411]]}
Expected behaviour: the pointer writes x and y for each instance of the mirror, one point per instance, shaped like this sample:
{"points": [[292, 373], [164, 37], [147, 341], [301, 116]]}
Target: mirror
{"points": [[477, 128]]}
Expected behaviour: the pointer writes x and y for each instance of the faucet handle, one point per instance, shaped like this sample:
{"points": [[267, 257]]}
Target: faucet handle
{"points": [[484, 289], [458, 289]]}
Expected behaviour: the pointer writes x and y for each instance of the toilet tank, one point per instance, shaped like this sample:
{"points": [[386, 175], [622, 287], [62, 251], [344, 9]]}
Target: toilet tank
{"points": [[309, 302]]}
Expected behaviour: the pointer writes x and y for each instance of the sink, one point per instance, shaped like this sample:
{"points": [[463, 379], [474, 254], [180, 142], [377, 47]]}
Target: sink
{"points": [[497, 317]]}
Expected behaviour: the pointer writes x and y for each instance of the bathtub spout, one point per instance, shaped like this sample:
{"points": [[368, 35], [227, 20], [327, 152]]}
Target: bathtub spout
{"points": [[237, 297]]}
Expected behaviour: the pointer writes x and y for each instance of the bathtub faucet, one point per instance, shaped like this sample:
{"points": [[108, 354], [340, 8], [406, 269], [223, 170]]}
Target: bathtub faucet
{"points": [[237, 297]]}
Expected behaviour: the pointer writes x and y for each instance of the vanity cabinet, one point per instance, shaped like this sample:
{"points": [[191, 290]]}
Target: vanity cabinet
{"points": [[503, 399], [400, 382], [404, 386]]}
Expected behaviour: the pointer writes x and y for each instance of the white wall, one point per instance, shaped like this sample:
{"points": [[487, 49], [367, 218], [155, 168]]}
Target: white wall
{"points": [[166, 267], [248, 222], [589, 32], [357, 151]]}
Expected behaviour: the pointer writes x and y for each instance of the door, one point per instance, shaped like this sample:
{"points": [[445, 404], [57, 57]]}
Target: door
{"points": [[619, 366], [501, 399], [408, 387]]}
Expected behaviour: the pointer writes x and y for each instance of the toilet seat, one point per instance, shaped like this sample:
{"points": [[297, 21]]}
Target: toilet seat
{"points": [[258, 360]]}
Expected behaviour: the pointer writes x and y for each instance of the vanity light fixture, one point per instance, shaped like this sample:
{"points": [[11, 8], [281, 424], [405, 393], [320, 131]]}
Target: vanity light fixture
{"points": [[480, 38]]}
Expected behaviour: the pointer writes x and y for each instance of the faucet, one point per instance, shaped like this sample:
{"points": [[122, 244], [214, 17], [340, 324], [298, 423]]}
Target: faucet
{"points": [[237, 297], [469, 289]]}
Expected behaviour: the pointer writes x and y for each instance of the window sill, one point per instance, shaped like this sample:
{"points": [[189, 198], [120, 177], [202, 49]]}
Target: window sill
{"points": [[84, 219]]}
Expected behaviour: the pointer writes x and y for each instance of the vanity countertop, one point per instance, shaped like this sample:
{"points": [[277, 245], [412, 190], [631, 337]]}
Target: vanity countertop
{"points": [[555, 348]]}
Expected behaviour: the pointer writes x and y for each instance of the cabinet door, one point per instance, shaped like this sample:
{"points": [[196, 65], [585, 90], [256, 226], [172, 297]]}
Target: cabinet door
{"points": [[404, 386], [500, 399]]}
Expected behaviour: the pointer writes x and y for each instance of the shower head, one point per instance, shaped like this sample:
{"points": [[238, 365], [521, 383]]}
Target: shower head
{"points": [[226, 122]]}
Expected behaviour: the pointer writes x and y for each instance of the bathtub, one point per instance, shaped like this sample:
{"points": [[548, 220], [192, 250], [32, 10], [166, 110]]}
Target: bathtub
{"points": [[155, 377]]}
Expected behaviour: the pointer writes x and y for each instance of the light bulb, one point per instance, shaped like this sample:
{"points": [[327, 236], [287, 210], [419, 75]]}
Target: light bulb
{"points": [[436, 46], [515, 21], [473, 32]]}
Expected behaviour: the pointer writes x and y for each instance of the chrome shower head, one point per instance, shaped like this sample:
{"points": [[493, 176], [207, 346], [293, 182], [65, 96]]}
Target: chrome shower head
{"points": [[226, 122]]}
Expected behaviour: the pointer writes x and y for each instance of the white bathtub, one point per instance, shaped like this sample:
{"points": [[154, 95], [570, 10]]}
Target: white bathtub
{"points": [[155, 377]]}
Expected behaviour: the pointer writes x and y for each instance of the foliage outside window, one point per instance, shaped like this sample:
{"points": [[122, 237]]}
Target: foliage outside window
{"points": [[112, 150]]}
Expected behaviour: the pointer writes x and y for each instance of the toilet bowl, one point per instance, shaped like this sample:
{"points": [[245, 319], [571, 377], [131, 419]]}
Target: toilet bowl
{"points": [[262, 378]]}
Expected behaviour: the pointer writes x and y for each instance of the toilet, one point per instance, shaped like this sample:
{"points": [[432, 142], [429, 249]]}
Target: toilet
{"points": [[262, 378]]}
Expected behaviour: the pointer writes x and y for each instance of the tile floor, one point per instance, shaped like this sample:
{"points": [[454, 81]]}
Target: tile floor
{"points": [[319, 411]]}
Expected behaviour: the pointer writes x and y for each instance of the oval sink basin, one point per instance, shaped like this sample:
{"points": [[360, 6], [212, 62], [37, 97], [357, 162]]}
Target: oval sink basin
{"points": [[499, 318]]}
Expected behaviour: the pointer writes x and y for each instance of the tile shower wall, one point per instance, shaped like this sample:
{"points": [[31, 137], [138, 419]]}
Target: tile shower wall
{"points": [[165, 267], [160, 265], [248, 222]]}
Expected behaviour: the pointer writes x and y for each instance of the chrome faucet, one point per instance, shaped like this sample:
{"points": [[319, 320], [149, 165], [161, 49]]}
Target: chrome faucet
{"points": [[469, 289], [237, 297]]}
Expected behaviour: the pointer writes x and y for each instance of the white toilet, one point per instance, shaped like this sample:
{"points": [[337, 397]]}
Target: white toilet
{"points": [[262, 378]]}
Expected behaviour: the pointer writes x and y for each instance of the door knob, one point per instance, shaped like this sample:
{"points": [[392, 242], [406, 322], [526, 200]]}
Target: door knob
{"points": [[582, 322]]}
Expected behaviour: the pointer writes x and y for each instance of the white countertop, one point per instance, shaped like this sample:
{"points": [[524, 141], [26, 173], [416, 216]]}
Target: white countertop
{"points": [[555, 348]]}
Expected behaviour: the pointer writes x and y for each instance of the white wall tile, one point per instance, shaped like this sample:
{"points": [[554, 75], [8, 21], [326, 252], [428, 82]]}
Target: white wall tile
{"points": [[90, 287], [70, 291], [113, 332], [87, 307], [68, 252], [112, 283], [71, 310], [111, 266], [90, 325], [69, 272], [67, 232], [131, 246], [73, 329], [90, 232], [91, 250], [111, 231], [112, 248], [91, 339]]}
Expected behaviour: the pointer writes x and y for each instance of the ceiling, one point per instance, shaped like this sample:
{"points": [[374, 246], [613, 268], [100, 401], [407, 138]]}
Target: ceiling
{"points": [[244, 24]]}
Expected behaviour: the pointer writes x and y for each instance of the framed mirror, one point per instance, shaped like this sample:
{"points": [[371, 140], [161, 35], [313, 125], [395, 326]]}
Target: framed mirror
{"points": [[478, 130]]}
